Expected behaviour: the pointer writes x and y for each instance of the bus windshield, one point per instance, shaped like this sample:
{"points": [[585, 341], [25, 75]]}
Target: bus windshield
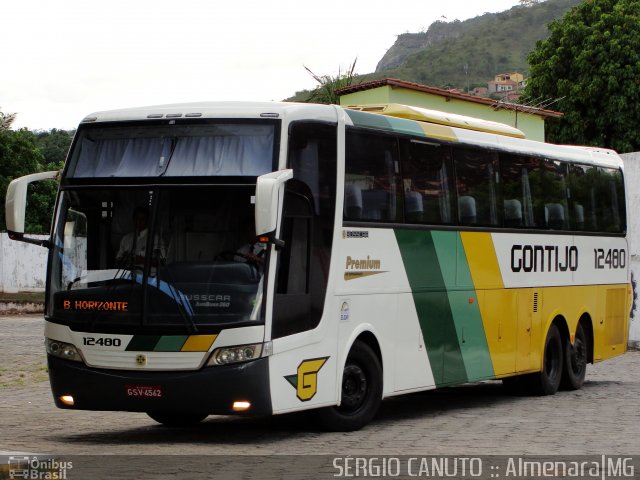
{"points": [[171, 257]]}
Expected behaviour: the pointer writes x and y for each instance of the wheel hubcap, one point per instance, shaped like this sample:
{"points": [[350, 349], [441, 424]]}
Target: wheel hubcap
{"points": [[354, 387]]}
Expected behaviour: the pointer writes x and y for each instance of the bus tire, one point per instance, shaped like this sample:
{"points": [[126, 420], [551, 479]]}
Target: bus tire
{"points": [[575, 361], [178, 420], [361, 392], [547, 381]]}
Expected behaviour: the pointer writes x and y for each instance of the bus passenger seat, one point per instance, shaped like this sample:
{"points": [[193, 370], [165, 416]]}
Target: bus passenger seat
{"points": [[512, 213], [554, 216], [578, 211], [352, 201], [375, 204], [413, 206], [467, 205]]}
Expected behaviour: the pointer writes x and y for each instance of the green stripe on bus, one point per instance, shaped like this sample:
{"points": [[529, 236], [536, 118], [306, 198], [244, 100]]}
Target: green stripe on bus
{"points": [[381, 122], [402, 125], [170, 343], [368, 120], [143, 343], [428, 288], [464, 306]]}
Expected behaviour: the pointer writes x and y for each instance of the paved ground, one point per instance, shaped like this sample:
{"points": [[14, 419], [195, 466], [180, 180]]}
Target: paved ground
{"points": [[481, 419]]}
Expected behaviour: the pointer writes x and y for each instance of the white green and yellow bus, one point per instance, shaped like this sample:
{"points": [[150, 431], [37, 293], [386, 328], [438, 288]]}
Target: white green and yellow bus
{"points": [[400, 250]]}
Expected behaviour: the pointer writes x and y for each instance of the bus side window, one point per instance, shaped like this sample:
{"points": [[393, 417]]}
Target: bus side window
{"points": [[552, 194], [426, 181], [610, 195], [371, 177], [517, 174], [582, 180], [477, 186]]}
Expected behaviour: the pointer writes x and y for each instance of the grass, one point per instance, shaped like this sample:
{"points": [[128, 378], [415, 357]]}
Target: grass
{"points": [[19, 376], [36, 297]]}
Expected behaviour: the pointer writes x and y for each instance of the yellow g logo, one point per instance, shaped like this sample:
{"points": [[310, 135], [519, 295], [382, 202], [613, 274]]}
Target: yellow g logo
{"points": [[306, 380]]}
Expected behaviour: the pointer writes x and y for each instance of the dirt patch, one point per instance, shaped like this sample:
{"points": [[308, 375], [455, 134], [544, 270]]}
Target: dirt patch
{"points": [[23, 375]]}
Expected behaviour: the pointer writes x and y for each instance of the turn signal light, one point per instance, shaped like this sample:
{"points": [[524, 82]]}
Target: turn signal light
{"points": [[67, 400], [241, 406]]}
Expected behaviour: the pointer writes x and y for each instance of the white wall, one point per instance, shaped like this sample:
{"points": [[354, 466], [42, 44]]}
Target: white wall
{"points": [[632, 182], [22, 265]]}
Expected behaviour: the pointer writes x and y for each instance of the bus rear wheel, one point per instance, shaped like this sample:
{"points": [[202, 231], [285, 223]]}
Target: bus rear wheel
{"points": [[575, 361], [177, 420], [548, 380], [361, 392]]}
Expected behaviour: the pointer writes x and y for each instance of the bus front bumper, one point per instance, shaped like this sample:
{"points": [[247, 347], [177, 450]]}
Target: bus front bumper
{"points": [[211, 390]]}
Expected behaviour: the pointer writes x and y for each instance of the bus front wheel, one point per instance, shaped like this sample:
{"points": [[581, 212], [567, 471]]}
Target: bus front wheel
{"points": [[361, 392], [176, 420], [575, 361]]}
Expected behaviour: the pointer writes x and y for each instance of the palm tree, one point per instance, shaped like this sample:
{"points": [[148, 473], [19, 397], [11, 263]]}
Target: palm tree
{"points": [[325, 92], [6, 119]]}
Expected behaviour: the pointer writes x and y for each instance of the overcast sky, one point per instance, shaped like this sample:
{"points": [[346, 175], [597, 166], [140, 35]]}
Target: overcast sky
{"points": [[63, 60]]}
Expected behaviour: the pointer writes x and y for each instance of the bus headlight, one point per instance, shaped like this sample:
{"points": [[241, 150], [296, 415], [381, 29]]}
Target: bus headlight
{"points": [[62, 350], [239, 353]]}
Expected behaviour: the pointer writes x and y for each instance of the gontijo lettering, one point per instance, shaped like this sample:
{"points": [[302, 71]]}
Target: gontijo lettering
{"points": [[104, 306], [544, 258]]}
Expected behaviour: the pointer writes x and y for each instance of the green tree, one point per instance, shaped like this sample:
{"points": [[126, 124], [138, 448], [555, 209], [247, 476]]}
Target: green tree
{"points": [[325, 92], [591, 64], [54, 145], [20, 155]]}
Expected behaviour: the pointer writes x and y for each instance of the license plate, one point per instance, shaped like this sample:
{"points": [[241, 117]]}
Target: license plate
{"points": [[144, 391]]}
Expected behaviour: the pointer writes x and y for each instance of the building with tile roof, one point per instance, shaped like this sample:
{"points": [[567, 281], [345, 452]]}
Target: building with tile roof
{"points": [[391, 90]]}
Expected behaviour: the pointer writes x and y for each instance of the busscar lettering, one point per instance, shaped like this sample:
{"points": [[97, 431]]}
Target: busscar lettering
{"points": [[96, 305], [544, 258], [209, 298]]}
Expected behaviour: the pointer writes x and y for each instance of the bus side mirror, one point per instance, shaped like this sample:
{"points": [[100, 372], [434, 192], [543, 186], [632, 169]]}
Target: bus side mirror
{"points": [[269, 194], [16, 205]]}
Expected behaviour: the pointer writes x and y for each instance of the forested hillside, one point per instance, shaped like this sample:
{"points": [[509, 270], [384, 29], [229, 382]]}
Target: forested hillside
{"points": [[458, 54], [465, 54]]}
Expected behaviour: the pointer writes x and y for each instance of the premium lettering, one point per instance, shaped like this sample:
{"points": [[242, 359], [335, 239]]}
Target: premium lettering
{"points": [[362, 264], [544, 258]]}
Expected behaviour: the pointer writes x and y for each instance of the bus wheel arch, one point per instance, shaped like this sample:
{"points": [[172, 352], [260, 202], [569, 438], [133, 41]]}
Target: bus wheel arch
{"points": [[360, 389]]}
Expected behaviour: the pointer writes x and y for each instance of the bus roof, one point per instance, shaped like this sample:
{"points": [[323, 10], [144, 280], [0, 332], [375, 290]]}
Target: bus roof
{"points": [[411, 120], [400, 118], [196, 110]]}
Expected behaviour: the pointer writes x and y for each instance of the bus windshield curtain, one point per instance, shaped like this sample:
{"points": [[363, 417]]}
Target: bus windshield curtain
{"points": [[127, 157], [246, 154], [222, 155]]}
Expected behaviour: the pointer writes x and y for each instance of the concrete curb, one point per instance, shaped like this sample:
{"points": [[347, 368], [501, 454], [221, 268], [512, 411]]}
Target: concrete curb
{"points": [[20, 307]]}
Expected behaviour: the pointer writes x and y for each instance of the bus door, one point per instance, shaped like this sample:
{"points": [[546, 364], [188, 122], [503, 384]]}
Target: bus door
{"points": [[292, 304]]}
